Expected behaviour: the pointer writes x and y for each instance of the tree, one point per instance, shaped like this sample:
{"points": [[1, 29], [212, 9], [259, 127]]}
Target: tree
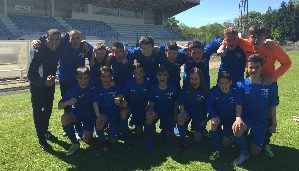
{"points": [[173, 24]]}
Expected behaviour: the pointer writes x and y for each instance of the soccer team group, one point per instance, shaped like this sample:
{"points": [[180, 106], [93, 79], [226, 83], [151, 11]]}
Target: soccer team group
{"points": [[142, 85]]}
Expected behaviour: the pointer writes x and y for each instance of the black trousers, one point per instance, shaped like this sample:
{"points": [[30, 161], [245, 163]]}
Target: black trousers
{"points": [[42, 102]]}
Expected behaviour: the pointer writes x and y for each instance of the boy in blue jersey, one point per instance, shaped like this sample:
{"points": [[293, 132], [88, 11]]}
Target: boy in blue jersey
{"points": [[221, 108], [110, 107], [173, 62], [147, 57], [234, 60], [162, 105], [79, 98], [197, 50], [192, 103], [121, 66], [136, 91], [254, 101], [99, 59]]}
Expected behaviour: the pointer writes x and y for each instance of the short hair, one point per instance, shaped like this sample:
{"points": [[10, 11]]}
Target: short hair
{"points": [[257, 29], [136, 64], [117, 45], [230, 31], [161, 69], [75, 31], [224, 75], [195, 44], [53, 32], [82, 70], [99, 45], [256, 58], [105, 69], [146, 40], [171, 46]]}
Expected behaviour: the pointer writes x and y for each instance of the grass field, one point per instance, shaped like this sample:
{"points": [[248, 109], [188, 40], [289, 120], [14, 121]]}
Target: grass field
{"points": [[19, 149]]}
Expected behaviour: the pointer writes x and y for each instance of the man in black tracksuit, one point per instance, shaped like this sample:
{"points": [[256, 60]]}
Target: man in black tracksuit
{"points": [[41, 75]]}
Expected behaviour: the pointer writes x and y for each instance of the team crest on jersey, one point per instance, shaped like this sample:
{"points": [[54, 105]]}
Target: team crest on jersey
{"points": [[113, 94], [238, 55], [265, 92], [199, 98], [81, 55], [169, 95], [232, 100]]}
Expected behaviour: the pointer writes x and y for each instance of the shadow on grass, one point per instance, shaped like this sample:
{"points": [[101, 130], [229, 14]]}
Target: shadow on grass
{"points": [[138, 158]]}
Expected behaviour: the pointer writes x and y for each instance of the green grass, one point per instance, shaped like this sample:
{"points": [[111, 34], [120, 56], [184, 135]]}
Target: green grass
{"points": [[19, 148]]}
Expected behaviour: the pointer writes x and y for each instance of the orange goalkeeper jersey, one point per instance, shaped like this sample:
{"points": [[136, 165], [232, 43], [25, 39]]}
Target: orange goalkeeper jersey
{"points": [[270, 56]]}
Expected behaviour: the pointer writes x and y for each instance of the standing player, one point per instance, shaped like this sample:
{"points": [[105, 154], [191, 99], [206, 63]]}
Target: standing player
{"points": [[99, 58], [254, 101], [79, 99], [234, 60], [192, 104], [41, 75], [173, 62], [162, 105], [136, 91], [196, 48], [221, 108], [121, 66], [146, 56]]}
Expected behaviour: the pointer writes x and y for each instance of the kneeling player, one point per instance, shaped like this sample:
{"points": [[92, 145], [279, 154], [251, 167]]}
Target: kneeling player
{"points": [[254, 101], [80, 99]]}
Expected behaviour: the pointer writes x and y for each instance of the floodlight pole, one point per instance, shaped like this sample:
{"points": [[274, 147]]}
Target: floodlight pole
{"points": [[243, 8]]}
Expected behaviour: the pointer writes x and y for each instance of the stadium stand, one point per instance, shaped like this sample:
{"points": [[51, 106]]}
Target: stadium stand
{"points": [[4, 32], [28, 24], [93, 28]]}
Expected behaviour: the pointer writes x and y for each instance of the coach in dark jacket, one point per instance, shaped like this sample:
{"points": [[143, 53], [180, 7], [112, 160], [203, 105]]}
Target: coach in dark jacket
{"points": [[41, 75]]}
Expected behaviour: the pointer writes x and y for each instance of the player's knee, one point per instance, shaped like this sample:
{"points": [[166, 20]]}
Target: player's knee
{"points": [[87, 136], [214, 127], [226, 142], [66, 119], [255, 150], [197, 137]]}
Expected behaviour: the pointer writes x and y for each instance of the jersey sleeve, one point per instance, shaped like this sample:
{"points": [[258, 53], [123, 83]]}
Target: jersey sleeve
{"points": [[283, 59], [90, 51], [212, 47], [34, 76], [68, 95], [239, 94], [95, 97], [211, 103]]}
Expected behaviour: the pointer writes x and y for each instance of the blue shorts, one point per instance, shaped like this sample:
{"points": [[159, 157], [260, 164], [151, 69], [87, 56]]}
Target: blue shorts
{"points": [[137, 118], [113, 128], [276, 91], [88, 123], [257, 132], [166, 122], [226, 128]]}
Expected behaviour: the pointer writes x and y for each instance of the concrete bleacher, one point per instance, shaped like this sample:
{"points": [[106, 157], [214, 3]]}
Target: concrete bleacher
{"points": [[35, 24], [129, 31], [93, 28], [4, 32]]}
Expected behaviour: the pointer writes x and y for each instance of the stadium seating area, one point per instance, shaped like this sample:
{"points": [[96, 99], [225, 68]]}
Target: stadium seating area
{"points": [[35, 24], [128, 31], [4, 32], [93, 28]]}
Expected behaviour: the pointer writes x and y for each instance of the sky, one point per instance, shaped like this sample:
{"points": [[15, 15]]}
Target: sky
{"points": [[211, 11]]}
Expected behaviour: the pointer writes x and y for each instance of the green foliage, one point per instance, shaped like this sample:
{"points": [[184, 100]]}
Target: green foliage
{"points": [[19, 146]]}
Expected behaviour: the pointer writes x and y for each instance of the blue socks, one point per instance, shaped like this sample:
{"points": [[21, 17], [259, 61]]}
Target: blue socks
{"points": [[70, 132], [126, 131], [182, 132], [242, 144], [215, 139]]}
